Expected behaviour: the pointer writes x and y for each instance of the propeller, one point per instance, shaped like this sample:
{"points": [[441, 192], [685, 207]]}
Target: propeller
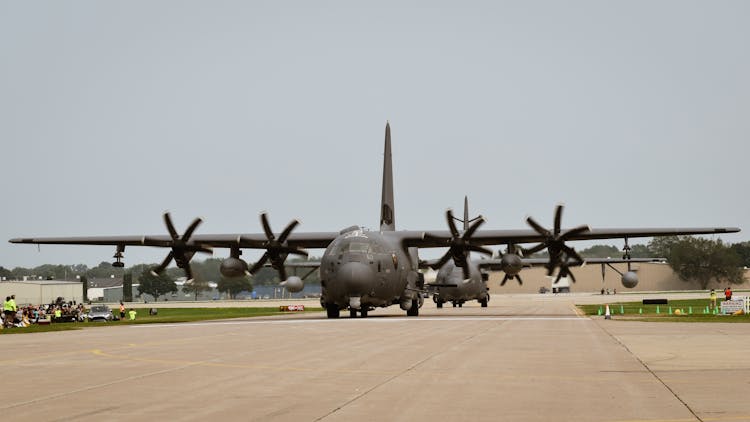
{"points": [[511, 264], [460, 245], [277, 249], [182, 251], [559, 253], [510, 277]]}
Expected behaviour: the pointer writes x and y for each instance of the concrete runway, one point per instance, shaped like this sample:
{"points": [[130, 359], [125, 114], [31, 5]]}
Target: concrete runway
{"points": [[525, 358]]}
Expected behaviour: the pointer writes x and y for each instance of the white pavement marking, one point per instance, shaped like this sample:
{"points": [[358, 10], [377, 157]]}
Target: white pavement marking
{"points": [[361, 320]]}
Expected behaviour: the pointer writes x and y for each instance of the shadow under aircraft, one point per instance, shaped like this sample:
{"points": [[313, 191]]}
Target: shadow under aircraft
{"points": [[361, 270]]}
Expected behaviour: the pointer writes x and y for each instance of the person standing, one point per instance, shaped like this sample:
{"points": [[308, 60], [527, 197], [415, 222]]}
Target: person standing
{"points": [[10, 315], [122, 311], [728, 293], [713, 299]]}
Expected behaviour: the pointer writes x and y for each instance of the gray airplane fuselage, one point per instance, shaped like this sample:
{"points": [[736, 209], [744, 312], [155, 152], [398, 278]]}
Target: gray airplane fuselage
{"points": [[365, 269], [473, 288]]}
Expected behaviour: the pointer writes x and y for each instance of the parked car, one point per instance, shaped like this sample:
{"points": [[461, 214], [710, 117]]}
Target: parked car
{"points": [[100, 313]]}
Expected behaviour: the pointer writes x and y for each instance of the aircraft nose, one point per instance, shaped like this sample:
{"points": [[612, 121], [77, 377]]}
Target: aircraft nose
{"points": [[356, 276]]}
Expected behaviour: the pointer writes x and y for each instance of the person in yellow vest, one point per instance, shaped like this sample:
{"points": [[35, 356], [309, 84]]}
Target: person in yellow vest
{"points": [[713, 299], [58, 313], [8, 312], [131, 314]]}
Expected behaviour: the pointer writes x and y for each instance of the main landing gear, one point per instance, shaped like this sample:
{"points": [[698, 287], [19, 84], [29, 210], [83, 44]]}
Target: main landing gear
{"points": [[414, 310], [333, 311], [362, 312]]}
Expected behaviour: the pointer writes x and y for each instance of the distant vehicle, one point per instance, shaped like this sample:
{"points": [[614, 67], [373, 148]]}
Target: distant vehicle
{"points": [[100, 313]]}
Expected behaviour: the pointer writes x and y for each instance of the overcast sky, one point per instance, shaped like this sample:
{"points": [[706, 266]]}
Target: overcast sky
{"points": [[632, 113]]}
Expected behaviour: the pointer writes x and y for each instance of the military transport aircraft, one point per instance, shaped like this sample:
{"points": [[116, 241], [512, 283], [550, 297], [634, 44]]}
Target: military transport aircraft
{"points": [[361, 270], [459, 284]]}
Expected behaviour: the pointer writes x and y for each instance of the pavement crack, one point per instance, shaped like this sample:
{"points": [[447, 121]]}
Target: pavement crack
{"points": [[653, 374], [407, 370]]}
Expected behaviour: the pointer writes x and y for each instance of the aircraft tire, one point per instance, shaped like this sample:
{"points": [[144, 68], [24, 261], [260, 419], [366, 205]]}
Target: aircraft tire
{"points": [[332, 311], [352, 313], [414, 310], [460, 305], [483, 302], [363, 313], [439, 304], [455, 304]]}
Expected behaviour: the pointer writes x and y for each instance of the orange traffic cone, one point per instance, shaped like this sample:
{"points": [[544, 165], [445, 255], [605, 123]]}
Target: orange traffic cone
{"points": [[607, 314]]}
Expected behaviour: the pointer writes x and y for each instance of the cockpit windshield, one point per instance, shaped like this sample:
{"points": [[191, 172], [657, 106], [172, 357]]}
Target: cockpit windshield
{"points": [[357, 247], [360, 247]]}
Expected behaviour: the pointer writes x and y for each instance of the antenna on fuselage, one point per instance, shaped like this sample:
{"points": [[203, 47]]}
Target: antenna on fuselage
{"points": [[387, 217]]}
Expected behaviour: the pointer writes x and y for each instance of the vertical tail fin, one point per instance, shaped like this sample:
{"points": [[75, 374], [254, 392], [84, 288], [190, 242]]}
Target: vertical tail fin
{"points": [[387, 218]]}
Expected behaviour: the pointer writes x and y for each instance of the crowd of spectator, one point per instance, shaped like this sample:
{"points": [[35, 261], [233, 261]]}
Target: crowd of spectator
{"points": [[58, 311]]}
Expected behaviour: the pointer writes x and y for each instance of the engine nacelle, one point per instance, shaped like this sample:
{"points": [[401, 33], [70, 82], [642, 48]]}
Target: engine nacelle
{"points": [[233, 267], [293, 284], [511, 264], [630, 279]]}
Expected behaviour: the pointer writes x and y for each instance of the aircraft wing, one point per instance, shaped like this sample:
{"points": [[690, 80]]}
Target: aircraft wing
{"points": [[436, 239], [495, 264], [302, 264], [311, 240]]}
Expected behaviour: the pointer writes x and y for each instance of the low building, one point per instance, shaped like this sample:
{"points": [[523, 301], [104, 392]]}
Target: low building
{"points": [[36, 292]]}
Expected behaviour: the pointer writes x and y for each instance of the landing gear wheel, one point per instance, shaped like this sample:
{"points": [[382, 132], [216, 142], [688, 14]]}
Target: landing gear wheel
{"points": [[455, 304], [414, 310], [439, 304], [352, 313], [483, 302], [363, 313], [332, 311], [460, 305]]}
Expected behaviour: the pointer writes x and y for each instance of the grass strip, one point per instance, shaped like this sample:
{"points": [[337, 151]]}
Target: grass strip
{"points": [[690, 310], [165, 315]]}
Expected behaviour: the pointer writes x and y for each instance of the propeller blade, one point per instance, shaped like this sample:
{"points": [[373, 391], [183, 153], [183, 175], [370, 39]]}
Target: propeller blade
{"points": [[465, 268], [535, 249], [266, 226], [170, 226], [480, 249], [572, 277], [505, 280], [570, 252], [573, 232], [558, 219], [205, 249], [443, 259], [559, 276], [191, 229], [293, 251], [520, 282], [188, 272], [451, 223], [473, 228], [537, 227], [257, 266], [282, 273], [287, 230], [161, 267]]}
